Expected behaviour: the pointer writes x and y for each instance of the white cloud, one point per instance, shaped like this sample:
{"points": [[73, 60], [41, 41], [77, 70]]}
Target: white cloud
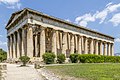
{"points": [[3, 43], [11, 4], [100, 15], [1, 35], [115, 19], [83, 20], [117, 40], [68, 20]]}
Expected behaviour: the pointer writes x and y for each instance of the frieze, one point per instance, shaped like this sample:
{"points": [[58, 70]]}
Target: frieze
{"points": [[65, 26]]}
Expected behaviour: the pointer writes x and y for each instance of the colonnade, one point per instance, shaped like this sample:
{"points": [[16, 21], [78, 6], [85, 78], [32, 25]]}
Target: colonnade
{"points": [[35, 42]]}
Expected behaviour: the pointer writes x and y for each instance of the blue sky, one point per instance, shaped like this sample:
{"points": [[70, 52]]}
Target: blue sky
{"points": [[100, 15]]}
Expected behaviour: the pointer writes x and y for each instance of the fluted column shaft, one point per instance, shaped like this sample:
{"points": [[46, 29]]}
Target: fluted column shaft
{"points": [[14, 46], [8, 43], [24, 42], [64, 43], [36, 45], [54, 41], [105, 49], [91, 47], [79, 47], [82, 39], [42, 42], [96, 47], [112, 47], [72, 44], [18, 45], [86, 46], [109, 49], [30, 46], [101, 48], [11, 46]]}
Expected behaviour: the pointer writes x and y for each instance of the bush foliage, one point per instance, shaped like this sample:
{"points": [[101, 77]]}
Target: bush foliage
{"points": [[74, 58], [91, 58], [48, 58], [24, 60], [3, 55], [61, 58]]}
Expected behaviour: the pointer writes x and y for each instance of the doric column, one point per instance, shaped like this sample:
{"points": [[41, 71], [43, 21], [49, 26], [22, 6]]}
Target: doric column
{"points": [[8, 43], [101, 48], [30, 41], [54, 45], [58, 39], [76, 43], [96, 47], [24, 43], [112, 49], [109, 49], [61, 38], [72, 44], [42, 42], [14, 46], [105, 49], [36, 45], [68, 41], [80, 46], [64, 43], [86, 46], [91, 47], [11, 46], [82, 39], [18, 44]]}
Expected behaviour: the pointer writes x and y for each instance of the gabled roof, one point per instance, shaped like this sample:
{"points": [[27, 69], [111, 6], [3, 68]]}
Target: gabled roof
{"points": [[51, 17], [12, 16]]}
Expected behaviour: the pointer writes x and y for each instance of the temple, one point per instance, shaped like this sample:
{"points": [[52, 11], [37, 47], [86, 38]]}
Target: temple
{"points": [[33, 33]]}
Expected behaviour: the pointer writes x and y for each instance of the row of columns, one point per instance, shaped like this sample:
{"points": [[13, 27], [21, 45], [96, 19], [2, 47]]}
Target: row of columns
{"points": [[25, 42]]}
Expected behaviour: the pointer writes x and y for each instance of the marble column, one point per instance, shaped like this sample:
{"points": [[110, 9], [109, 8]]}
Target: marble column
{"points": [[101, 48], [91, 47], [54, 41], [72, 44], [8, 50], [30, 46], [18, 44], [82, 39], [76, 43], [14, 46], [64, 43], [86, 46], [96, 47], [68, 41], [105, 49], [36, 45], [109, 49], [11, 46], [80, 46], [42, 42], [58, 39], [24, 42], [112, 47]]}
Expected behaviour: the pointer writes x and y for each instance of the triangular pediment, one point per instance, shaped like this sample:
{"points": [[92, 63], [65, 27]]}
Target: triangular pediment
{"points": [[13, 17]]}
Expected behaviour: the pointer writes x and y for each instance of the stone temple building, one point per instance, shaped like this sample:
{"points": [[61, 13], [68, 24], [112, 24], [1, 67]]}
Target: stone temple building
{"points": [[33, 33]]}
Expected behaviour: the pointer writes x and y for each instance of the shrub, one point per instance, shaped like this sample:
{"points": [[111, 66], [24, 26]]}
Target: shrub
{"points": [[24, 60], [61, 58], [74, 58], [91, 58], [48, 58]]}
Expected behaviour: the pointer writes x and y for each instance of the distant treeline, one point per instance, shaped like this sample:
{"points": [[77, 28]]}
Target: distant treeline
{"points": [[3, 55]]}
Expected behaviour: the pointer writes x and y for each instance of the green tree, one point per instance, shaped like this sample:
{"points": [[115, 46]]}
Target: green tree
{"points": [[3, 55]]}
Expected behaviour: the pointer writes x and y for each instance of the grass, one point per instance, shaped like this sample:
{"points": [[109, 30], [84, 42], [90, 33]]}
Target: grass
{"points": [[108, 71]]}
